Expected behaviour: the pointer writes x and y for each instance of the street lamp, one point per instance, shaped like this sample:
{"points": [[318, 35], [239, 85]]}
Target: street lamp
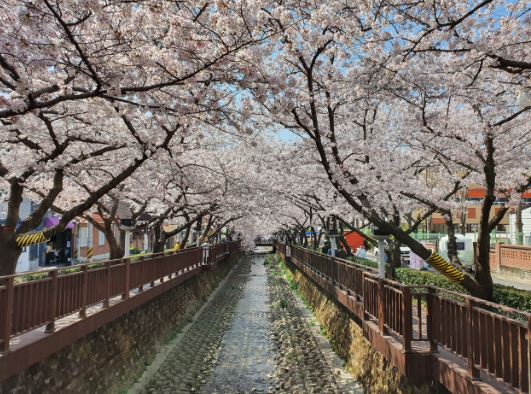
{"points": [[381, 236], [127, 225]]}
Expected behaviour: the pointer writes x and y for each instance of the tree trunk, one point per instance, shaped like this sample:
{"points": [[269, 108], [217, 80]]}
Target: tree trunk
{"points": [[315, 245], [345, 245], [304, 239], [115, 249], [185, 238], [482, 266], [9, 250], [452, 243], [343, 241], [158, 244], [199, 226], [10, 253], [393, 258]]}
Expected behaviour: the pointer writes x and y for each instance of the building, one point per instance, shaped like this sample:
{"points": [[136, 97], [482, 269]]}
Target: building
{"points": [[470, 214], [58, 249]]}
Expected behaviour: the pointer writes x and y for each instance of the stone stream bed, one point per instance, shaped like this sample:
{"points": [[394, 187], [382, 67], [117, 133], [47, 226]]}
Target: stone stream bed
{"points": [[253, 335]]}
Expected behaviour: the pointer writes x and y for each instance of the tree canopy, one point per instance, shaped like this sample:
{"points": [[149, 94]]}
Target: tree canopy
{"points": [[269, 115]]}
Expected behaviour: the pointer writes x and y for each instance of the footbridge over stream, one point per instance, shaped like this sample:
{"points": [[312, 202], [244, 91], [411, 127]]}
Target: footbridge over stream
{"points": [[216, 320]]}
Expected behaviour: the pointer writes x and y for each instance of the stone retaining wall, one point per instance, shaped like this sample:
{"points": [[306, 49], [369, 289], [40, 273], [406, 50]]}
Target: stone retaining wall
{"points": [[112, 357], [366, 365]]}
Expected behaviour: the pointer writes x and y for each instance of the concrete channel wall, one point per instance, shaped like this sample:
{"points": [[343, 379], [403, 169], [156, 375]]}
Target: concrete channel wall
{"points": [[110, 359]]}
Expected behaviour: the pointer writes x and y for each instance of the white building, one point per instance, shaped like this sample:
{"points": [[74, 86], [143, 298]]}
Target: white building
{"points": [[526, 227]]}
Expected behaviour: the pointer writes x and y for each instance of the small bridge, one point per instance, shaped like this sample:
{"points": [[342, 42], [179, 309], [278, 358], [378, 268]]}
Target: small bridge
{"points": [[264, 242], [264, 246]]}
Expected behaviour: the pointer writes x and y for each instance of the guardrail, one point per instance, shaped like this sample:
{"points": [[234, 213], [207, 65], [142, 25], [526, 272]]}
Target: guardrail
{"points": [[40, 302], [492, 338]]}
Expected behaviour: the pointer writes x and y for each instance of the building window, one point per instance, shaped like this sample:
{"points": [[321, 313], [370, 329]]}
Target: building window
{"points": [[471, 213], [83, 236], [101, 238]]}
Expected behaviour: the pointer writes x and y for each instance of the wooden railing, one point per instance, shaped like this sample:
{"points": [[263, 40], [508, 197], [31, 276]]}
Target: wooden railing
{"points": [[27, 305], [491, 338]]}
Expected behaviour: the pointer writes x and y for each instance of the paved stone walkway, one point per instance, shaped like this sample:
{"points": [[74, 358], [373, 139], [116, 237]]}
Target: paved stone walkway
{"points": [[246, 360], [252, 336]]}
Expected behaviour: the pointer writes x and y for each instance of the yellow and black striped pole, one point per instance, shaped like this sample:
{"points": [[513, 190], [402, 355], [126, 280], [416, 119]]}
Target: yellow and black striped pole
{"points": [[90, 253], [31, 239], [445, 268]]}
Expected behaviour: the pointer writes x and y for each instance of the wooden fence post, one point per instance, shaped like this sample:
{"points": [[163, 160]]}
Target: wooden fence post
{"points": [[84, 287], [364, 295], [472, 370], [8, 319], [140, 270], [406, 315], [430, 320], [50, 326], [108, 284], [127, 262], [153, 271], [381, 306]]}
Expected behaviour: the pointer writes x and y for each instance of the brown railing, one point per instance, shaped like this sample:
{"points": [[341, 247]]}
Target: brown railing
{"points": [[35, 303], [492, 338]]}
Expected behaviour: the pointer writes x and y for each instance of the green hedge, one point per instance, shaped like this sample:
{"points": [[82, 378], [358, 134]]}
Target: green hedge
{"points": [[410, 276], [505, 295], [364, 262], [511, 297]]}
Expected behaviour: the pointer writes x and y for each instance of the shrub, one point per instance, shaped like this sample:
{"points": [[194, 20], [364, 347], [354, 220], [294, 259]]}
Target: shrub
{"points": [[364, 262], [513, 298], [410, 276]]}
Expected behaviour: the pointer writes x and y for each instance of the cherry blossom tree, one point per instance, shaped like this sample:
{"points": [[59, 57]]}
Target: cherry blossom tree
{"points": [[340, 79], [83, 84]]}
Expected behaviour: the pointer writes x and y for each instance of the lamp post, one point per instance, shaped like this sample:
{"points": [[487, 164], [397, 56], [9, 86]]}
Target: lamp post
{"points": [[127, 225]]}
